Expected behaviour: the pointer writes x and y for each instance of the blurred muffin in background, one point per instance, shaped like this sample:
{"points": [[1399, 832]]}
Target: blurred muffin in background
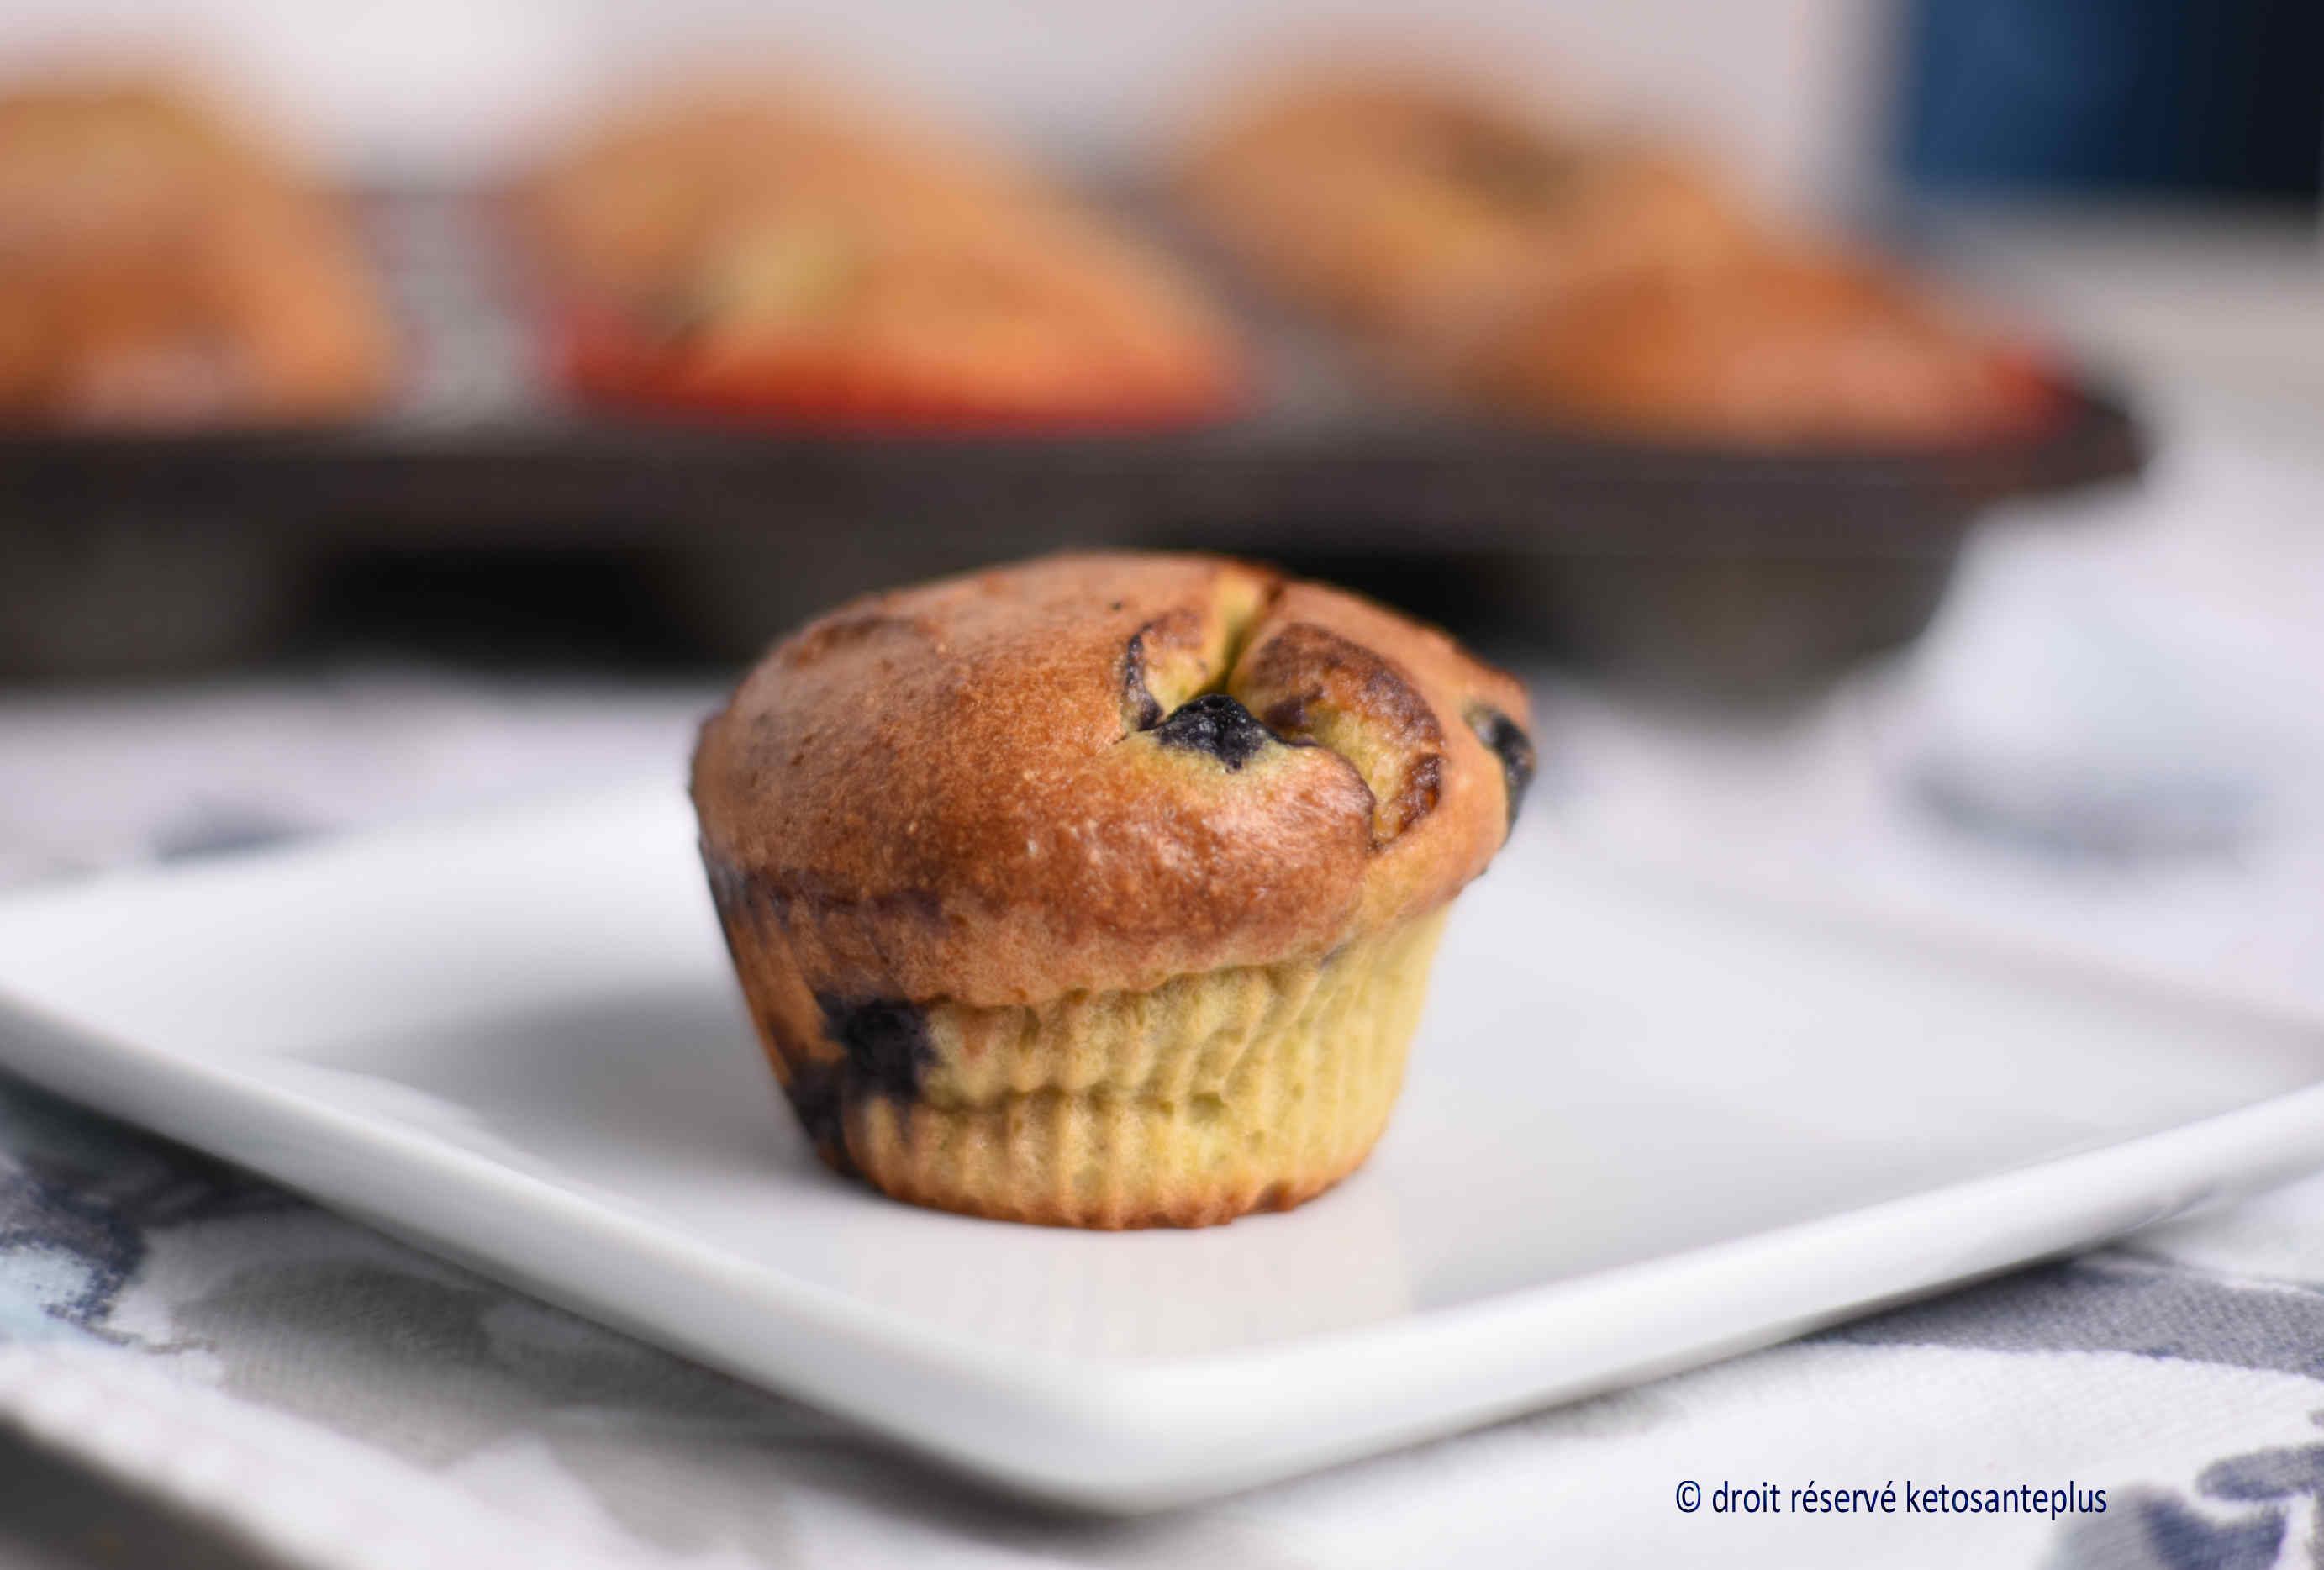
{"points": [[1424, 213], [776, 252], [1489, 252], [1793, 345], [159, 267]]}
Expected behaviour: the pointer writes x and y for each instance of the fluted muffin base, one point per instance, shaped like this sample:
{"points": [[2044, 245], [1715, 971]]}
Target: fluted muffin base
{"points": [[1242, 1089]]}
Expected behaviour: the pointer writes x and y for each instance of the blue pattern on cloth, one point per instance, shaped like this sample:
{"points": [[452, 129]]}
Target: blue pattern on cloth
{"points": [[78, 1195]]}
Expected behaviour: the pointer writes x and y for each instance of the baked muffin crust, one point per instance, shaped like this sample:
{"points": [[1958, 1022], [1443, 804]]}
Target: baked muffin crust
{"points": [[1097, 773], [1484, 252], [773, 248], [162, 267]]}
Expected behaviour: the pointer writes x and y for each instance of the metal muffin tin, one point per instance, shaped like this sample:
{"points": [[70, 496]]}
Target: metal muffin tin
{"points": [[1721, 569]]}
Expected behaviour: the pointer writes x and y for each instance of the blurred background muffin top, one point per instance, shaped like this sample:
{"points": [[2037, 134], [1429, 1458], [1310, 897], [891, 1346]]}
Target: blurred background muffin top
{"points": [[777, 248], [160, 265], [1483, 246], [1424, 205]]}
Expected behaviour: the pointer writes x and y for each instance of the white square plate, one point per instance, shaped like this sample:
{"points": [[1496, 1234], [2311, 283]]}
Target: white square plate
{"points": [[1643, 1127]]}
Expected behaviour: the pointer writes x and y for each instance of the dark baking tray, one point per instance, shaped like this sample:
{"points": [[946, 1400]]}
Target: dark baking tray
{"points": [[1723, 569]]}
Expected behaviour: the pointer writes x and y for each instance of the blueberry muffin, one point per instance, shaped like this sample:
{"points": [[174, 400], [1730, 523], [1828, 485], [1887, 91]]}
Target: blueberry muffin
{"points": [[1421, 213], [159, 267], [1101, 891], [1805, 344], [787, 255], [1486, 253]]}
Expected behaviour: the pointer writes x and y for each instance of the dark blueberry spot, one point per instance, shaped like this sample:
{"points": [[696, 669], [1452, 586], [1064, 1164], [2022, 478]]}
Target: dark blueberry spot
{"points": [[1216, 724], [886, 1042], [814, 1097], [1509, 743], [1138, 706]]}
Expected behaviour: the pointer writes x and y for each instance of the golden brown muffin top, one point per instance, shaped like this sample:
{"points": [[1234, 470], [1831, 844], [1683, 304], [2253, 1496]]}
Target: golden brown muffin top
{"points": [[1099, 771], [1420, 207], [798, 224], [160, 265], [1804, 344]]}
